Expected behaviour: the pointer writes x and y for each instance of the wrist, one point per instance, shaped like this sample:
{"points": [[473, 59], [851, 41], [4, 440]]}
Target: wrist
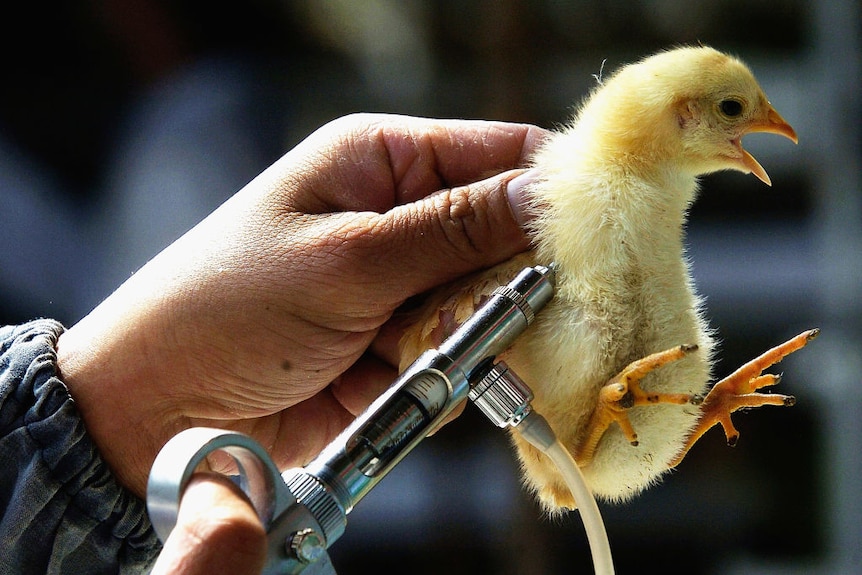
{"points": [[117, 400]]}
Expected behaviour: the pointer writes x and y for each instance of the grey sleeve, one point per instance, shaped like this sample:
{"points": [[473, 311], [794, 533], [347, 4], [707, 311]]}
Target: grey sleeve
{"points": [[61, 510]]}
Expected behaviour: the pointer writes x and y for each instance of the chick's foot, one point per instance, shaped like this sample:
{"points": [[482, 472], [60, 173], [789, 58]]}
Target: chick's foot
{"points": [[738, 391], [622, 392]]}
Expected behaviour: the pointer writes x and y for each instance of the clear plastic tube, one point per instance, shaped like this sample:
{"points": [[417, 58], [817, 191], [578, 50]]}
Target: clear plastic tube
{"points": [[535, 429]]}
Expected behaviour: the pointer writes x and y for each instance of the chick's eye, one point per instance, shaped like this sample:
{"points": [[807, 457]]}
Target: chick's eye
{"points": [[731, 108]]}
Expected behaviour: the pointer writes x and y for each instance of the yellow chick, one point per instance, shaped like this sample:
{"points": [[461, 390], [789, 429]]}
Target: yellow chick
{"points": [[620, 358]]}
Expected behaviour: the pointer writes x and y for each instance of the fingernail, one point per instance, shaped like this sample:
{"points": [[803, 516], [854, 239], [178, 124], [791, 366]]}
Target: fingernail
{"points": [[517, 191]]}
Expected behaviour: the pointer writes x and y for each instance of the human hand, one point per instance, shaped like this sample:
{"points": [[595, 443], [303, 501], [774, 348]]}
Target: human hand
{"points": [[272, 316]]}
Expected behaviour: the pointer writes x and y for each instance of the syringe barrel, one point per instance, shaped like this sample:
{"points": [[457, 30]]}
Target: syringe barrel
{"points": [[426, 392], [389, 428], [495, 326]]}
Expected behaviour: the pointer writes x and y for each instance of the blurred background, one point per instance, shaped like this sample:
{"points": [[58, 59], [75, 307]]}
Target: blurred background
{"points": [[124, 122]]}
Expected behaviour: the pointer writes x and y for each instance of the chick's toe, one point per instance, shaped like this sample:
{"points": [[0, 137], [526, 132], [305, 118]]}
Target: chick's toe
{"points": [[739, 390], [624, 392]]}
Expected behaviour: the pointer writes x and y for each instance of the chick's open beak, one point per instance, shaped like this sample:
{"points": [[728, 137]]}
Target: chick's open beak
{"points": [[772, 123]]}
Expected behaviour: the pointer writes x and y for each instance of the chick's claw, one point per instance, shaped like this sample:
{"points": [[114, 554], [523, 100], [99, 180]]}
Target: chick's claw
{"points": [[623, 392], [738, 391]]}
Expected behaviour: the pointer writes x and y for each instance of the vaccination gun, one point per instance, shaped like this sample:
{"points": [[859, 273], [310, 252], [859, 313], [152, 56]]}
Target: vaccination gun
{"points": [[304, 510]]}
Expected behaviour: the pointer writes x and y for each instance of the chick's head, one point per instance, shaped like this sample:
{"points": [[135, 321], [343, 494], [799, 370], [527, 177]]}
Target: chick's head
{"points": [[690, 106]]}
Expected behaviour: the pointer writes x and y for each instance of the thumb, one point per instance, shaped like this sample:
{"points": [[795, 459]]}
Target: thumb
{"points": [[217, 531], [451, 233]]}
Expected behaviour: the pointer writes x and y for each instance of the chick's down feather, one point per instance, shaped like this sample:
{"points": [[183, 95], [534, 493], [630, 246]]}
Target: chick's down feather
{"points": [[610, 202]]}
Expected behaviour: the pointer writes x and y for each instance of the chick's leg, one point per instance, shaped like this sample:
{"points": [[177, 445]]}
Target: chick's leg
{"points": [[623, 392], [738, 391]]}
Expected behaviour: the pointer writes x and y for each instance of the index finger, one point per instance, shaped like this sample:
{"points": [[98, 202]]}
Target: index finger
{"points": [[455, 152], [376, 161]]}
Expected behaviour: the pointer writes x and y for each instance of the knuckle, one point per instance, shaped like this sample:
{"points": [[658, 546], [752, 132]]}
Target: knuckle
{"points": [[464, 222]]}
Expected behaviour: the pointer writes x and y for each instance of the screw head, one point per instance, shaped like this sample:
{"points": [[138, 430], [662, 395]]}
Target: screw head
{"points": [[307, 545]]}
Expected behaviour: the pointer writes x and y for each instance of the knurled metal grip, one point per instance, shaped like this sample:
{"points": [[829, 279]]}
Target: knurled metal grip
{"points": [[519, 300], [502, 396], [312, 493]]}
